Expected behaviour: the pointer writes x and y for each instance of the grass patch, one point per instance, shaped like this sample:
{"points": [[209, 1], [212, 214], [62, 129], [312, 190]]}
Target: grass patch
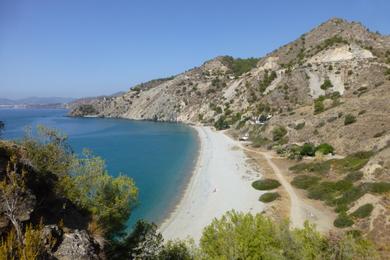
{"points": [[343, 221], [266, 184], [353, 162], [354, 176], [269, 197], [259, 141], [377, 187], [305, 181], [328, 190], [316, 167], [353, 194], [363, 211]]}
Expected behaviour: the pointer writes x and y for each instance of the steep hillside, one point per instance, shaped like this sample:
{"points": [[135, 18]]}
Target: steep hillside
{"points": [[353, 62]]}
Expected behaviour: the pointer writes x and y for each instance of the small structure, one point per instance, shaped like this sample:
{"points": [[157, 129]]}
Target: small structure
{"points": [[244, 137], [262, 119]]}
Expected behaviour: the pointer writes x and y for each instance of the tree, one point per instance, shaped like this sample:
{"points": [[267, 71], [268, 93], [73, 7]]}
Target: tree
{"points": [[49, 151], [2, 126], [144, 241], [12, 189], [84, 180], [109, 199]]}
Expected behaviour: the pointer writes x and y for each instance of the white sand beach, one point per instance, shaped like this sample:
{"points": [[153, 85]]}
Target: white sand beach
{"points": [[221, 181]]}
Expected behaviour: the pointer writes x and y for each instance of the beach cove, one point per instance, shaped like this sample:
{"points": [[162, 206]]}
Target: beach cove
{"points": [[221, 181]]}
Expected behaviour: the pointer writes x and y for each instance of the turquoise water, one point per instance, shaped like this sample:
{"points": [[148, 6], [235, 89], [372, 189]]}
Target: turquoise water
{"points": [[158, 156]]}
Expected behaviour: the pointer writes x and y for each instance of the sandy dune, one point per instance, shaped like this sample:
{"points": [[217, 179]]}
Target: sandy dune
{"points": [[221, 182]]}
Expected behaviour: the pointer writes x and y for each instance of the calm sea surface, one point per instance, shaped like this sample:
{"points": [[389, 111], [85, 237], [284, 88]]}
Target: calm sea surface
{"points": [[158, 156]]}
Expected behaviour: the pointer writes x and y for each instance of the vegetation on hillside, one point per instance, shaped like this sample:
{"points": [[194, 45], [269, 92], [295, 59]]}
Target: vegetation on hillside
{"points": [[245, 236], [240, 66]]}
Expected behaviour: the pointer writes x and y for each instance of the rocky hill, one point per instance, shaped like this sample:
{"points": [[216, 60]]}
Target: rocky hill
{"points": [[288, 83]]}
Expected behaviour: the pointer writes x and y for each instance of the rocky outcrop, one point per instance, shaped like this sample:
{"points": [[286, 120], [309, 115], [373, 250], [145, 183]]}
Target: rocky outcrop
{"points": [[26, 199], [77, 245]]}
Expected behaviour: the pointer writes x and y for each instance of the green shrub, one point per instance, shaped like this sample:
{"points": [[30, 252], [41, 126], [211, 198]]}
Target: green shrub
{"points": [[267, 80], [343, 221], [354, 176], [308, 149], [269, 197], [325, 148], [305, 181], [221, 123], [349, 119], [265, 184], [300, 126], [278, 133], [318, 106], [326, 85], [363, 211]]}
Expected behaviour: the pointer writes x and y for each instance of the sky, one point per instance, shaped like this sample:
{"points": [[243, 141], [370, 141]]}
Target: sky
{"points": [[79, 48]]}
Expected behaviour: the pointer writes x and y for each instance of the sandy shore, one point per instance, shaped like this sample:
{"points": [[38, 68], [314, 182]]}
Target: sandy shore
{"points": [[221, 181]]}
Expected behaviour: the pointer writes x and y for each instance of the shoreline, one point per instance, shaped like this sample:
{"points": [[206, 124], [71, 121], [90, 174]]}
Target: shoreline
{"points": [[220, 181]]}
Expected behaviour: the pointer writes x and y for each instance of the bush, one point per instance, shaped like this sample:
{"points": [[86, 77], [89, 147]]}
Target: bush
{"points": [[308, 149], [354, 176], [326, 85], [267, 80], [278, 133], [318, 106], [300, 126], [325, 148], [305, 181], [269, 197], [266, 184], [221, 123], [343, 221], [363, 211], [349, 119]]}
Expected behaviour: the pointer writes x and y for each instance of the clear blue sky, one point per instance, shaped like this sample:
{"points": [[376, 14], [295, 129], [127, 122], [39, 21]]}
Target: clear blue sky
{"points": [[75, 48]]}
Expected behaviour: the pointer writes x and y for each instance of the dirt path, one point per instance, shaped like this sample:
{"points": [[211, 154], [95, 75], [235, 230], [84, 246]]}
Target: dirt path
{"points": [[300, 210]]}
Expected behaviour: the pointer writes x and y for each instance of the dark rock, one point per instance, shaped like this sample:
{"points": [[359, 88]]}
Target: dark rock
{"points": [[77, 245]]}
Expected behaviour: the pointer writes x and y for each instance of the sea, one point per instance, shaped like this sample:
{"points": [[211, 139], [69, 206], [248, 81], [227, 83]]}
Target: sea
{"points": [[158, 156]]}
